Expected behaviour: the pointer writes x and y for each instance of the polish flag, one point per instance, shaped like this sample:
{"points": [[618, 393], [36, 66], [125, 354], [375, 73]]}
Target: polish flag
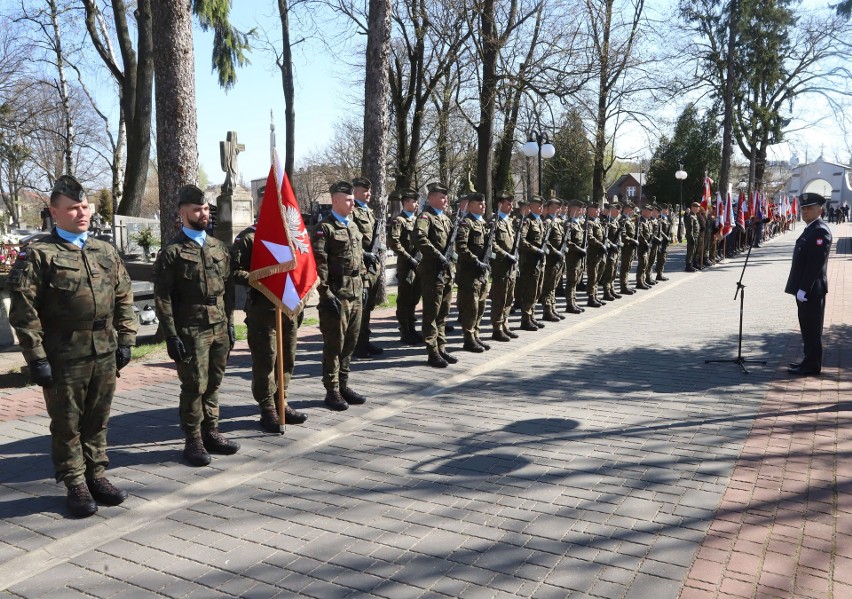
{"points": [[707, 198], [283, 267]]}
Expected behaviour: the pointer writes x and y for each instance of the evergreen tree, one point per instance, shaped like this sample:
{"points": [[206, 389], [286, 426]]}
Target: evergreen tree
{"points": [[569, 172]]}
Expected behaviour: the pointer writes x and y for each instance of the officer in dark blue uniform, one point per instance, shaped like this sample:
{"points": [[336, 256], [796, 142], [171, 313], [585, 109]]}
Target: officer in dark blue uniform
{"points": [[808, 281]]}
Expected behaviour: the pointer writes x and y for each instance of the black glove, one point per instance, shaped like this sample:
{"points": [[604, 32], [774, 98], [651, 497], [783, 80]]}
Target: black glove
{"points": [[540, 251], [122, 357], [332, 304], [414, 262], [177, 350], [370, 259], [365, 297], [482, 266], [232, 336], [512, 258], [41, 373]]}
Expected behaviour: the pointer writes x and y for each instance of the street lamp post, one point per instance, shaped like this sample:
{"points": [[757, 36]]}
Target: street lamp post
{"points": [[539, 145], [680, 175]]}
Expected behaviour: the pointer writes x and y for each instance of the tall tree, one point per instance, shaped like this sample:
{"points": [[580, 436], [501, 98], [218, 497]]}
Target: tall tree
{"points": [[284, 60], [570, 171], [134, 78]]}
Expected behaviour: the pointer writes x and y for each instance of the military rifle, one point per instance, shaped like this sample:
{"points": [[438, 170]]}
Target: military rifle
{"points": [[516, 246], [582, 284], [449, 252], [547, 234], [488, 253], [375, 247]]}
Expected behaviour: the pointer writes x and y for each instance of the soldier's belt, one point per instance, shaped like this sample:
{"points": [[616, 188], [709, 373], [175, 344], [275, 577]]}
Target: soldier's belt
{"points": [[78, 325]]}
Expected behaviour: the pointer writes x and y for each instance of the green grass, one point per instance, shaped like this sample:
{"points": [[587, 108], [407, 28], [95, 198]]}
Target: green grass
{"points": [[310, 321], [390, 301], [140, 351]]}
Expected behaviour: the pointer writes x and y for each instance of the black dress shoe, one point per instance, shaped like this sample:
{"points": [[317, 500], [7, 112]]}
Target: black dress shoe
{"points": [[799, 371], [352, 397], [105, 492]]}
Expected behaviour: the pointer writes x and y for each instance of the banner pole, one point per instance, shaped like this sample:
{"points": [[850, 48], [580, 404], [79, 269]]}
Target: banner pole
{"points": [[279, 368]]}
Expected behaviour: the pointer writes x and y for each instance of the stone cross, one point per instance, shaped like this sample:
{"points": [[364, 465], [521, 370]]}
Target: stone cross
{"points": [[228, 151]]}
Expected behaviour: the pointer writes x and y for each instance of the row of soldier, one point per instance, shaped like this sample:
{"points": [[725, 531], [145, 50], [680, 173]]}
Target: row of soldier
{"points": [[72, 303]]}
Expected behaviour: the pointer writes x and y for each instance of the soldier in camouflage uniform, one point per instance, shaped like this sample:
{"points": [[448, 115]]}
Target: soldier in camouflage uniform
{"points": [[596, 257], [553, 261], [503, 269], [644, 249], [338, 250], [703, 221], [575, 251], [656, 241], [72, 309], [531, 264], [366, 221], [692, 233], [666, 230], [432, 235], [612, 231], [401, 241], [193, 297], [629, 243], [262, 338], [472, 276]]}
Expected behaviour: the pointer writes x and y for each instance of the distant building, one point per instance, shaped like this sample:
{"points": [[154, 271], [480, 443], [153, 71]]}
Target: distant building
{"points": [[829, 179], [627, 187]]}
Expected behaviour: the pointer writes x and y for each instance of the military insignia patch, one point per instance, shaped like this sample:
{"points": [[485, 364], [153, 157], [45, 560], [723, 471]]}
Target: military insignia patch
{"points": [[320, 233], [819, 241]]}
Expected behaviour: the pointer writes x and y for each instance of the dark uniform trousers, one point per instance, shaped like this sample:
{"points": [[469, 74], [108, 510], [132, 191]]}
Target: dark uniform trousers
{"points": [[652, 260], [473, 291], [811, 319], [550, 281], [502, 293], [370, 291], [437, 297], [530, 281], [573, 274], [662, 258], [595, 262], [609, 270], [408, 294]]}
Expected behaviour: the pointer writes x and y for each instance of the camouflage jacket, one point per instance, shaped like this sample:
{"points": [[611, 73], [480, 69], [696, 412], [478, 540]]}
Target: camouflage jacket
{"points": [[193, 287], [339, 253], [365, 220], [241, 267], [401, 240], [431, 236], [470, 246], [532, 240], [70, 303], [597, 238], [692, 227]]}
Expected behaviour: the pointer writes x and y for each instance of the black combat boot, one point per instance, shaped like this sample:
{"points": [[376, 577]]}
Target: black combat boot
{"points": [[479, 340], [269, 419], [641, 285], [471, 345], [661, 277], [614, 294], [406, 338], [593, 303], [374, 349], [352, 397], [416, 334], [607, 296], [362, 352], [448, 357], [194, 452], [625, 290], [510, 333], [435, 360], [549, 316], [573, 309], [690, 268], [80, 502], [291, 416], [105, 492], [215, 442], [527, 325], [500, 335], [334, 401]]}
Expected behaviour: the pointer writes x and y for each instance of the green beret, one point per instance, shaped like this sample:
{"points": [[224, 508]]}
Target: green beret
{"points": [[408, 194], [69, 187], [340, 187], [190, 194], [361, 182], [437, 187]]}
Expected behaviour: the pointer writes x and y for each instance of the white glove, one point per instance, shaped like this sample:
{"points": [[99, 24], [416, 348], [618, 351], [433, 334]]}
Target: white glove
{"points": [[800, 296]]}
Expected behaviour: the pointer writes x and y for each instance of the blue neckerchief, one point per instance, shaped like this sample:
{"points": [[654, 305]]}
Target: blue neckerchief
{"points": [[78, 239], [438, 212], [476, 216], [361, 204], [535, 216], [407, 213], [502, 214], [341, 219], [198, 237]]}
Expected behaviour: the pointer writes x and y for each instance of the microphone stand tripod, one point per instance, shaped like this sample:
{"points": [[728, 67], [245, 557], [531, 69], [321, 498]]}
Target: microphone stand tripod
{"points": [[740, 360]]}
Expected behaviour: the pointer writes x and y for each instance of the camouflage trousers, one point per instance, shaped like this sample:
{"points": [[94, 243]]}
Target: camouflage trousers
{"points": [[652, 260], [594, 269], [339, 336], [626, 262], [436, 307], [502, 296], [550, 281], [609, 271], [370, 291], [408, 295], [78, 404], [263, 344], [662, 256], [691, 252], [208, 348], [530, 280], [471, 298], [642, 264], [573, 274]]}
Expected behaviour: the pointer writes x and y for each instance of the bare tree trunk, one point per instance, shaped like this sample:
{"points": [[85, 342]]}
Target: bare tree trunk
{"points": [[177, 135], [68, 148], [728, 99], [285, 65], [376, 87], [487, 98], [599, 171]]}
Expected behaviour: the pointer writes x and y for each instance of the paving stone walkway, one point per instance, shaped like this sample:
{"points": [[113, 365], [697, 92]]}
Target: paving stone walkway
{"points": [[599, 457]]}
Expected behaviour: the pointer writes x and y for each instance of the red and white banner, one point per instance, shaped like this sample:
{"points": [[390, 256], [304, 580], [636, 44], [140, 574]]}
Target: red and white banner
{"points": [[283, 267]]}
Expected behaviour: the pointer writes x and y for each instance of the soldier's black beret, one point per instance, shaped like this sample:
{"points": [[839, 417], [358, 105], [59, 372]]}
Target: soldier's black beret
{"points": [[647, 207], [190, 194], [504, 195], [536, 200], [437, 188], [69, 187], [408, 194], [475, 197], [522, 203], [553, 202], [361, 182], [576, 203], [811, 199], [615, 205], [340, 187]]}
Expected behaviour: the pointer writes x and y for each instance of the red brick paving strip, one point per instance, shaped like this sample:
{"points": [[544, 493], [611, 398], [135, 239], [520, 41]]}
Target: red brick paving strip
{"points": [[784, 525]]}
